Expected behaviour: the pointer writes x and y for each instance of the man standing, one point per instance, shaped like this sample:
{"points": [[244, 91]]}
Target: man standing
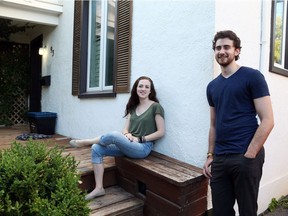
{"points": [[236, 154]]}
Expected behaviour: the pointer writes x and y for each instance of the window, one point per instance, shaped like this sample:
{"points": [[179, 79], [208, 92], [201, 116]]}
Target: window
{"points": [[279, 38], [101, 44], [102, 48]]}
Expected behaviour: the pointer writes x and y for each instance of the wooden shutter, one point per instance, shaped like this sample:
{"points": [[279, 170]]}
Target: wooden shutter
{"points": [[123, 46], [76, 47]]}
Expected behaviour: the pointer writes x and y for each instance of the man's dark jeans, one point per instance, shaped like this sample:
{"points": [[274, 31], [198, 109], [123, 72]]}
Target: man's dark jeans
{"points": [[236, 177]]}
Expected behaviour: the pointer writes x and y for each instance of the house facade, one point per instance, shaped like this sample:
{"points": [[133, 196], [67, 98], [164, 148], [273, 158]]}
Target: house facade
{"points": [[95, 50]]}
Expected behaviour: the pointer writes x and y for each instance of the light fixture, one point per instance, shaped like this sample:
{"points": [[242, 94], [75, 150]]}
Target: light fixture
{"points": [[42, 50], [52, 51]]}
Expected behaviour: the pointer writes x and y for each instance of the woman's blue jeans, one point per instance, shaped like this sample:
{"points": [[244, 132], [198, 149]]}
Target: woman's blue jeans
{"points": [[116, 144]]}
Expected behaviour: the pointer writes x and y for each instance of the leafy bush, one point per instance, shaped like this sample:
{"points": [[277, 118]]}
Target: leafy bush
{"points": [[283, 202], [35, 180]]}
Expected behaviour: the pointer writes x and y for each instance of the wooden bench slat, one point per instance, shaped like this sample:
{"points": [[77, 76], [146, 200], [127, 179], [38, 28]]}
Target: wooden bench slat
{"points": [[175, 161], [168, 169], [164, 172], [186, 167], [165, 167]]}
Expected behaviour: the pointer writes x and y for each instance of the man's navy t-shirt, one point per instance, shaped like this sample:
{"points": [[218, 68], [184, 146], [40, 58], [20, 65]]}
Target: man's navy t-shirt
{"points": [[232, 99]]}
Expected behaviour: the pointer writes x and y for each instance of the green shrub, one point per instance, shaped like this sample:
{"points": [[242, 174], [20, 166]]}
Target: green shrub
{"points": [[37, 180], [283, 202]]}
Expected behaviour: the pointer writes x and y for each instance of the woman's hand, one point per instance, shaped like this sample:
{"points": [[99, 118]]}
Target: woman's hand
{"points": [[131, 137]]}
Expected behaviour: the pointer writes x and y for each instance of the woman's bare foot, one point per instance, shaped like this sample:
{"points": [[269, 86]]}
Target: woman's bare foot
{"points": [[84, 142], [95, 193], [75, 143], [81, 143]]}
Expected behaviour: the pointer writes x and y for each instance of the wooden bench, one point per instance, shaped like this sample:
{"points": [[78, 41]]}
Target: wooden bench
{"points": [[167, 186]]}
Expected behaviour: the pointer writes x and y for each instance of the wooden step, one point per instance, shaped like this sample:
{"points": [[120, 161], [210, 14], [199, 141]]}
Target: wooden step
{"points": [[116, 202]]}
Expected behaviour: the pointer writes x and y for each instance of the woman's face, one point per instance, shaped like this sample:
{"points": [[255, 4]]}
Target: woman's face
{"points": [[143, 88]]}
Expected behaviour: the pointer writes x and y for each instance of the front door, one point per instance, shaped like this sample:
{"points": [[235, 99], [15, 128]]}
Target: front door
{"points": [[36, 73]]}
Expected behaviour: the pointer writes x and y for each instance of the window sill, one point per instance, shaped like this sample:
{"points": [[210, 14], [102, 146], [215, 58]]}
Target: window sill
{"points": [[102, 94], [280, 71]]}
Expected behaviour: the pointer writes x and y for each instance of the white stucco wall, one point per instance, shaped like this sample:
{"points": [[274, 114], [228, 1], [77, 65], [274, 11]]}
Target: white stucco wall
{"points": [[172, 46]]}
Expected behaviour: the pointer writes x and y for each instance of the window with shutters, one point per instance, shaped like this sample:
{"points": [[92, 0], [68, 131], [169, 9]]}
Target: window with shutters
{"points": [[102, 47], [279, 37]]}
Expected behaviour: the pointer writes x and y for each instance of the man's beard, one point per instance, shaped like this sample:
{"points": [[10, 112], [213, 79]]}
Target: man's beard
{"points": [[226, 62]]}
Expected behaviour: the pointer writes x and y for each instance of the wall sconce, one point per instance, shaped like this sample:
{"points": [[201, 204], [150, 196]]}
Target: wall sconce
{"points": [[42, 50], [52, 51]]}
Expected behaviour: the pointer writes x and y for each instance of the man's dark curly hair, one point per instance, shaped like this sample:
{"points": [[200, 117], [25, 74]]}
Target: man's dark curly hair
{"points": [[227, 34]]}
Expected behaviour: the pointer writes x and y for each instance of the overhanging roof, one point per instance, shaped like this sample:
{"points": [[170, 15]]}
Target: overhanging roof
{"points": [[33, 11]]}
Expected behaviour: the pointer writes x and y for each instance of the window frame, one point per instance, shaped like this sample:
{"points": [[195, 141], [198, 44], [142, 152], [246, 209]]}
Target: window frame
{"points": [[103, 46], [122, 50], [273, 67]]}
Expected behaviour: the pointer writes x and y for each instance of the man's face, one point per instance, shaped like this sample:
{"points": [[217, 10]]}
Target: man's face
{"points": [[225, 51]]}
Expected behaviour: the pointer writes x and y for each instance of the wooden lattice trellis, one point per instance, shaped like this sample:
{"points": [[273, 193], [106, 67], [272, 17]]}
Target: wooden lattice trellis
{"points": [[14, 82], [19, 109]]}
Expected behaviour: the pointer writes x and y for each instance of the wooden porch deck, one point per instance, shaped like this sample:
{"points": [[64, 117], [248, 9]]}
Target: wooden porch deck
{"points": [[8, 135], [83, 155]]}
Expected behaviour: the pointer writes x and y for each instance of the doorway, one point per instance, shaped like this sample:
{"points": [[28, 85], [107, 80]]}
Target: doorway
{"points": [[35, 75]]}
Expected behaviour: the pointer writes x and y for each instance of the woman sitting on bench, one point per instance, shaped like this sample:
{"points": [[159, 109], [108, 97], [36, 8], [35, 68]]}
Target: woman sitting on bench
{"points": [[144, 124]]}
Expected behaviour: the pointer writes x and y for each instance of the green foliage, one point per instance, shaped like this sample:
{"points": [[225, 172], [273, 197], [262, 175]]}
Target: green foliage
{"points": [[7, 28], [273, 205], [283, 201], [35, 180], [278, 40]]}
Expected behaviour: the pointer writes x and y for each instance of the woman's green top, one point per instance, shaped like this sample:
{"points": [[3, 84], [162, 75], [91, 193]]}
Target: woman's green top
{"points": [[145, 124]]}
